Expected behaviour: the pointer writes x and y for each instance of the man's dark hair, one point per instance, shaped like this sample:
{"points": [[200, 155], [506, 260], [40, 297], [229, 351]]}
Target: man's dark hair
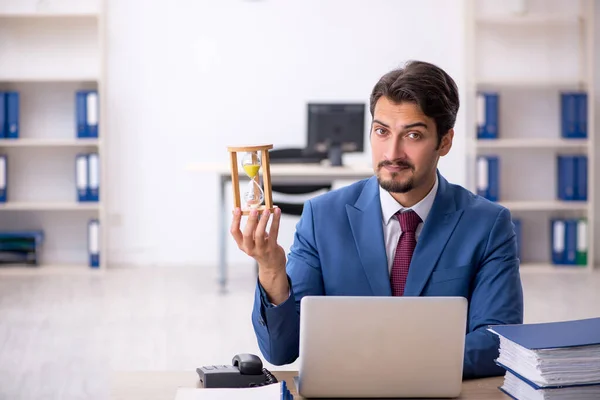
{"points": [[427, 86]]}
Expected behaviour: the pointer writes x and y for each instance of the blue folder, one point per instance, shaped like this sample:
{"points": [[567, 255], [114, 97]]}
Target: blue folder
{"points": [[487, 115], [86, 113], [94, 243], [582, 115], [3, 178], [2, 115], [488, 180], [581, 177], [38, 235], [82, 177], [538, 387], [93, 170], [566, 177], [81, 114], [12, 115], [570, 241], [553, 335]]}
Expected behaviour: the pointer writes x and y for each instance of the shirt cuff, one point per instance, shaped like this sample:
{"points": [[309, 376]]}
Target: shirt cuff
{"points": [[265, 298]]}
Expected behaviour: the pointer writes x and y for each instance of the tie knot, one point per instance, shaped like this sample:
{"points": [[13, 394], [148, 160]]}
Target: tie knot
{"points": [[409, 220]]}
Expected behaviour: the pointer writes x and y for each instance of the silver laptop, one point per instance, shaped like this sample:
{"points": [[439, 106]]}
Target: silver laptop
{"points": [[381, 346]]}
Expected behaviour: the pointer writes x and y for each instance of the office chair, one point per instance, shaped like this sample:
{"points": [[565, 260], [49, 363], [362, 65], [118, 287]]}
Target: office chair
{"points": [[296, 156]]}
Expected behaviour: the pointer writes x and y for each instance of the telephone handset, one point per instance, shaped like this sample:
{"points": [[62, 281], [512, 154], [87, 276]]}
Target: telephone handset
{"points": [[246, 371]]}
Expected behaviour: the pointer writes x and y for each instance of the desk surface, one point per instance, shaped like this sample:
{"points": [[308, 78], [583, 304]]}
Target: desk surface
{"points": [[306, 170], [163, 385]]}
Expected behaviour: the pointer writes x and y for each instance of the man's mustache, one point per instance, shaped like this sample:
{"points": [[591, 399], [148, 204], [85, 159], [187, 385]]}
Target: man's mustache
{"points": [[397, 163]]}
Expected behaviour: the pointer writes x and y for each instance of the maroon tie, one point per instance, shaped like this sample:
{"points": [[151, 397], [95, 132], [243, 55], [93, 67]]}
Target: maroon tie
{"points": [[409, 221]]}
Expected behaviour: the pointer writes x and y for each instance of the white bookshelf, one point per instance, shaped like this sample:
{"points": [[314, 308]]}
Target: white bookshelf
{"points": [[49, 206], [528, 51], [547, 205], [49, 49], [50, 142], [540, 143], [527, 19]]}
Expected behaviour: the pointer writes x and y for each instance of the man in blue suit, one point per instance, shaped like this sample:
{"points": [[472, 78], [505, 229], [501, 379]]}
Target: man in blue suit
{"points": [[405, 231]]}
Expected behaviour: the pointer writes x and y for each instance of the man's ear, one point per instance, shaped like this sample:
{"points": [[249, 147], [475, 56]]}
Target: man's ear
{"points": [[446, 143]]}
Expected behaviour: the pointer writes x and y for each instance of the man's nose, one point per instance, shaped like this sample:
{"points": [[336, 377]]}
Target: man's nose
{"points": [[395, 149]]}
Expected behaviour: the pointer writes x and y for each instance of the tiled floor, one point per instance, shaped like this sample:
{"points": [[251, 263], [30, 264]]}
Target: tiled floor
{"points": [[60, 335]]}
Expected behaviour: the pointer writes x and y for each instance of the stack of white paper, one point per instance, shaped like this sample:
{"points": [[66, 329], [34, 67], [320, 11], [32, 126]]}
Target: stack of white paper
{"points": [[552, 367], [522, 391], [277, 391], [551, 361]]}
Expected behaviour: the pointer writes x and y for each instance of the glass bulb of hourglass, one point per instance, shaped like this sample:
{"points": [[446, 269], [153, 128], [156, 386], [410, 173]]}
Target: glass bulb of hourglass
{"points": [[251, 164], [254, 195]]}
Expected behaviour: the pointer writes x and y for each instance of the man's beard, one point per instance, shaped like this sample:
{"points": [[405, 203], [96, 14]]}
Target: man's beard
{"points": [[393, 186]]}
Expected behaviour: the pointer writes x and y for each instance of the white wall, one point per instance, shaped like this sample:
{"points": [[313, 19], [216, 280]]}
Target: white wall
{"points": [[186, 78]]}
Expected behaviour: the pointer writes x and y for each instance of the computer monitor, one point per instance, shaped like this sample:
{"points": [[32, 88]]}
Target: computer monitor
{"points": [[336, 128]]}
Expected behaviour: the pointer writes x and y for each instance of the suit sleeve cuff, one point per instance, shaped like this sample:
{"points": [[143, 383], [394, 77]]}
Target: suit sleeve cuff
{"points": [[265, 299]]}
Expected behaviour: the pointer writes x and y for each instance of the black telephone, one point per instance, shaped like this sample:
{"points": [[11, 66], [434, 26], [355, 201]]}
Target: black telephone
{"points": [[246, 371]]}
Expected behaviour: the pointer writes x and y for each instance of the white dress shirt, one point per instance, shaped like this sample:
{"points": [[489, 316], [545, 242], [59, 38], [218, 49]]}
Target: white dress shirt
{"points": [[391, 225]]}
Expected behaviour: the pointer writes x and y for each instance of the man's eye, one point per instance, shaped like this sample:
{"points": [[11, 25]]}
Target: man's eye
{"points": [[379, 131], [414, 135]]}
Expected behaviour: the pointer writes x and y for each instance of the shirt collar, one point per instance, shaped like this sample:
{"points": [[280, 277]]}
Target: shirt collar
{"points": [[389, 205]]}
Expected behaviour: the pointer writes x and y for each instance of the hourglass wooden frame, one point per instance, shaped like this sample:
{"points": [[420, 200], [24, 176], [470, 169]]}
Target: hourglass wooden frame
{"points": [[266, 174]]}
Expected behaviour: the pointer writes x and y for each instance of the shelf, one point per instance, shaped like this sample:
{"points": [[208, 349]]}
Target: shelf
{"points": [[529, 20], [32, 142], [542, 268], [49, 269], [49, 79], [529, 83], [50, 206], [552, 205], [48, 15], [526, 143]]}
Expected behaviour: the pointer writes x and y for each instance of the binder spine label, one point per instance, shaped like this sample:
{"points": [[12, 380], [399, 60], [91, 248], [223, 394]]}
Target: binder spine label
{"points": [[3, 179], [92, 114], [482, 176], [582, 236], [94, 176], [582, 242], [558, 244], [81, 177], [480, 114], [94, 243]]}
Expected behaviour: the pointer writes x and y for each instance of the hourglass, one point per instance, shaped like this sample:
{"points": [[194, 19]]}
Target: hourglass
{"points": [[253, 160]]}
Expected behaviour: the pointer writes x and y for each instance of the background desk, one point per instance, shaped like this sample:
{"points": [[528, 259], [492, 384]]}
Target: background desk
{"points": [[163, 385], [280, 174]]}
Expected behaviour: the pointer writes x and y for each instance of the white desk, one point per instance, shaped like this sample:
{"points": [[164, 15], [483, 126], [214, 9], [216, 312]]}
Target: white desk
{"points": [[280, 174]]}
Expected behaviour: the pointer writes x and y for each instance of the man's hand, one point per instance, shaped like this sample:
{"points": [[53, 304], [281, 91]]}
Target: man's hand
{"points": [[263, 247]]}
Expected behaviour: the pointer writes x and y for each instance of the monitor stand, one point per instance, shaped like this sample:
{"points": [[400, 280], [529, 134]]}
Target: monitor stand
{"points": [[335, 155]]}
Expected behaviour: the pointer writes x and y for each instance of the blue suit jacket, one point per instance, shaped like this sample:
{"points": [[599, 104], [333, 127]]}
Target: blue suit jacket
{"points": [[467, 247]]}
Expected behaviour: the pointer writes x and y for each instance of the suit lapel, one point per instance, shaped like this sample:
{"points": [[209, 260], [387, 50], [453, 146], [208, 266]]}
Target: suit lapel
{"points": [[366, 224], [438, 228]]}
